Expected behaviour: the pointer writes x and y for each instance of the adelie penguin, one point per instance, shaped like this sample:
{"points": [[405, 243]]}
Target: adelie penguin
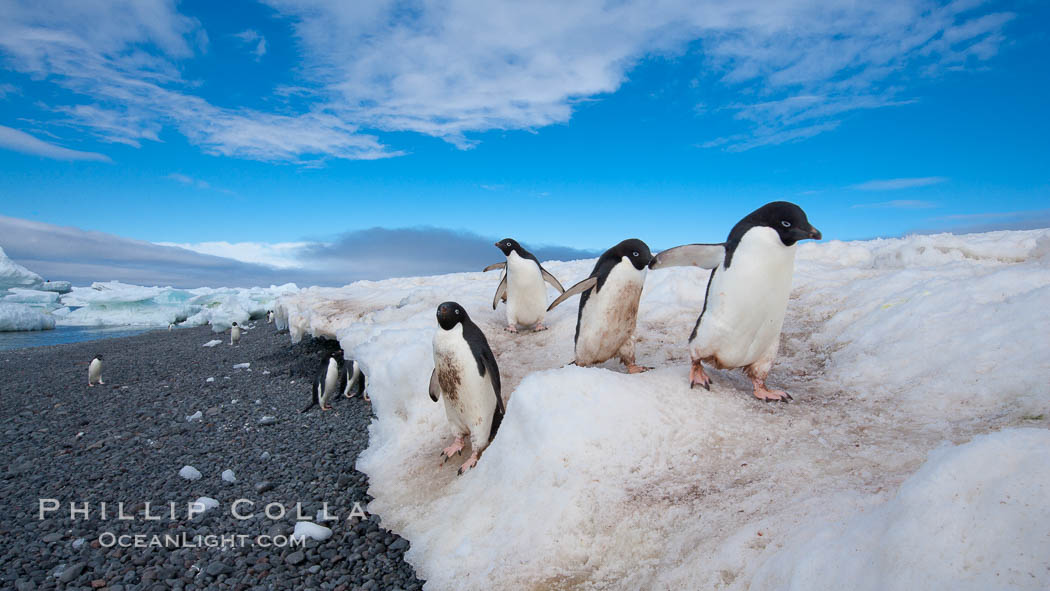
{"points": [[354, 380], [608, 311], [330, 379], [269, 317], [747, 293], [95, 371], [466, 374], [235, 334], [522, 286]]}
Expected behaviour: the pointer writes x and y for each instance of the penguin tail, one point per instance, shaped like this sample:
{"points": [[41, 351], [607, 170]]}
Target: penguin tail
{"points": [[497, 418]]}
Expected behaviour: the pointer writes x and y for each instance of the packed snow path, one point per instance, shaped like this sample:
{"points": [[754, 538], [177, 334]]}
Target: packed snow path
{"points": [[891, 349]]}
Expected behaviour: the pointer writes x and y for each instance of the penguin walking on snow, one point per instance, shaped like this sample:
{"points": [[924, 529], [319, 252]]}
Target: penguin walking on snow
{"points": [[747, 293], [95, 371], [522, 286], [609, 305], [355, 381], [465, 372], [330, 379], [235, 334]]}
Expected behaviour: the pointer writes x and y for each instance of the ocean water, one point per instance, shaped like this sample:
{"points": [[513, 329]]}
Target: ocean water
{"points": [[66, 334]]}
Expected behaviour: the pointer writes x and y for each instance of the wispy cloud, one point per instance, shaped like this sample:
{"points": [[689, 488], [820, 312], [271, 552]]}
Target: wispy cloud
{"points": [[83, 257], [897, 184], [252, 37], [452, 69], [897, 204], [187, 180], [6, 89], [279, 255], [20, 141], [96, 50]]}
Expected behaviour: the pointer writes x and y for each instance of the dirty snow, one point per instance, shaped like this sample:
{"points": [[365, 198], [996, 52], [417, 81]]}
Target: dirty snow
{"points": [[891, 348]]}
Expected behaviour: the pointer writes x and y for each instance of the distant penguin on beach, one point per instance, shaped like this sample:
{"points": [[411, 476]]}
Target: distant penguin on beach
{"points": [[466, 374], [95, 371], [171, 326], [330, 379], [522, 286], [235, 334], [355, 381], [269, 317], [608, 310], [747, 293]]}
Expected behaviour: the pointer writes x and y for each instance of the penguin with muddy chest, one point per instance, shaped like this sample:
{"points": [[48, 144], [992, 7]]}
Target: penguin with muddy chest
{"points": [[608, 311], [467, 377]]}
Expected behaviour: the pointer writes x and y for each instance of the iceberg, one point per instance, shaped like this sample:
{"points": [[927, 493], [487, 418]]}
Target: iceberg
{"points": [[17, 317], [14, 275], [599, 479]]}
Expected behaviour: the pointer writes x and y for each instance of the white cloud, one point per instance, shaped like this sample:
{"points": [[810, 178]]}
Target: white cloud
{"points": [[20, 141], [188, 180], [102, 51], [897, 184], [280, 255], [447, 69], [250, 37], [454, 68]]}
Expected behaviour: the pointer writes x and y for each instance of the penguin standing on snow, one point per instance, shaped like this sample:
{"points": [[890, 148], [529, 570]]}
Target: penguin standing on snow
{"points": [[465, 372], [747, 293], [235, 334], [95, 371], [609, 305], [355, 381], [330, 379], [522, 286]]}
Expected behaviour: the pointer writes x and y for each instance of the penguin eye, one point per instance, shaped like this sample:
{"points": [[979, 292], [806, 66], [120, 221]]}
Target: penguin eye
{"points": [[457, 312], [785, 223], [508, 244], [634, 254]]}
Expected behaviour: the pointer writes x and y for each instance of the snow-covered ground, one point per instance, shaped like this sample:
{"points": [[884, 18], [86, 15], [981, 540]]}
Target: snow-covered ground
{"points": [[27, 302], [915, 455]]}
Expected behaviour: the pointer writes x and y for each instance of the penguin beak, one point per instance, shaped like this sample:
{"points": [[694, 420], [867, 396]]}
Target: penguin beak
{"points": [[815, 233]]}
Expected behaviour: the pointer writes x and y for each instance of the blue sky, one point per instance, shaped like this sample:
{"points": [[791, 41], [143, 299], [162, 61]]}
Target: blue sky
{"points": [[267, 126]]}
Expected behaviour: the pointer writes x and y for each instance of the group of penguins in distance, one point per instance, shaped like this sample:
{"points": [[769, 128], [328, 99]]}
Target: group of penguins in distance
{"points": [[739, 326]]}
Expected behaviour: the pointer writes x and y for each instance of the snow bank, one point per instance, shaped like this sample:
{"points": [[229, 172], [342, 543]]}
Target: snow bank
{"points": [[14, 275], [56, 286], [22, 317], [30, 296], [973, 517], [598, 479]]}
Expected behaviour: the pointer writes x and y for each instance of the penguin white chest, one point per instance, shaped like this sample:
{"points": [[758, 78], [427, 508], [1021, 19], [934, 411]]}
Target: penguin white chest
{"points": [[331, 378], [526, 292], [608, 318], [746, 303], [95, 371], [470, 400], [235, 334]]}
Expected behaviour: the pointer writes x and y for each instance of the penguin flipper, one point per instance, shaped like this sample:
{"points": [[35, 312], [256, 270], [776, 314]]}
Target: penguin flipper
{"points": [[580, 287], [435, 387], [705, 256], [494, 266], [551, 279], [501, 292]]}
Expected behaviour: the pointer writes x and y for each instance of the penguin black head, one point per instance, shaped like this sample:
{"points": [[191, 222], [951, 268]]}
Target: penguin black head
{"points": [[509, 245], [235, 324], [635, 250], [99, 357], [337, 355], [787, 219], [449, 314]]}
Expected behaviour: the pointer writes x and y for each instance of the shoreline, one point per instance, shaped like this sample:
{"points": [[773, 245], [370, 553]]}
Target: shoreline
{"points": [[122, 445]]}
